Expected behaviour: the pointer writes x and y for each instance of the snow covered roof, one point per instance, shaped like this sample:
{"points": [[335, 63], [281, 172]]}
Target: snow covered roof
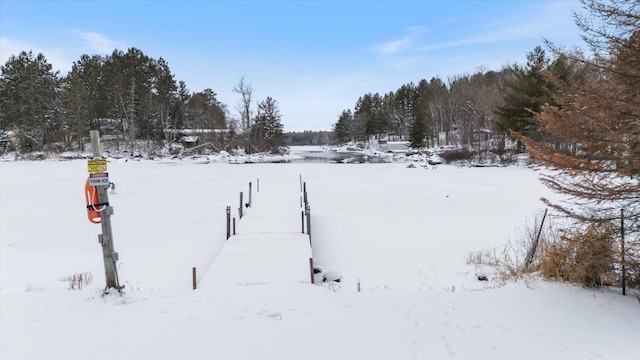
{"points": [[189, 139], [195, 131]]}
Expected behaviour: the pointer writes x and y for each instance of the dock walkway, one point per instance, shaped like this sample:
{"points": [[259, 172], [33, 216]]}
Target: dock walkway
{"points": [[269, 246]]}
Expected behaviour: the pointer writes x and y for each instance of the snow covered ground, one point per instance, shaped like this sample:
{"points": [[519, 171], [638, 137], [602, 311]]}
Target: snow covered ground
{"points": [[399, 236]]}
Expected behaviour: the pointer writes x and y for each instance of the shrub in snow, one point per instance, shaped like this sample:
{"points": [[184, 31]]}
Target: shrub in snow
{"points": [[79, 280], [518, 257], [582, 256], [486, 158]]}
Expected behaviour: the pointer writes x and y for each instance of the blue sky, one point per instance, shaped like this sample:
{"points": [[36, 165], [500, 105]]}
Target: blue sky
{"points": [[314, 57]]}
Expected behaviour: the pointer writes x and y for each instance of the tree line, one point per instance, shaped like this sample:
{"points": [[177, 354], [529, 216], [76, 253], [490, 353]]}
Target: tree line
{"points": [[482, 108], [572, 110], [130, 96], [125, 95], [428, 113]]}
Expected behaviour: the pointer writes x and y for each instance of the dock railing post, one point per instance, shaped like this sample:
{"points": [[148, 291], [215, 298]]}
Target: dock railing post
{"points": [[304, 193], [228, 211], [313, 280], [308, 213]]}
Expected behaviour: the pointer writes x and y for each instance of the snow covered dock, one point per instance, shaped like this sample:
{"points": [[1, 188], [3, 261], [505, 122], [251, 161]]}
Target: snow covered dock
{"points": [[269, 246]]}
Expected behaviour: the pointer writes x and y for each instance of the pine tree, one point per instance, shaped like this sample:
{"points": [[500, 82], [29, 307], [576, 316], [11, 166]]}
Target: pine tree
{"points": [[29, 99], [84, 98], [417, 134], [341, 129], [595, 126], [267, 131], [179, 111], [164, 97], [362, 116], [526, 95], [422, 126]]}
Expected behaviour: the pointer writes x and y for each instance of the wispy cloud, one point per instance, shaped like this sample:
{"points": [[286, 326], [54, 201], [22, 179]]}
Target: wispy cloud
{"points": [[100, 43], [549, 22], [401, 44]]}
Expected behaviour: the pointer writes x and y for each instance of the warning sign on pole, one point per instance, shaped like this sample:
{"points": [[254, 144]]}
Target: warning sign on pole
{"points": [[97, 166], [99, 179]]}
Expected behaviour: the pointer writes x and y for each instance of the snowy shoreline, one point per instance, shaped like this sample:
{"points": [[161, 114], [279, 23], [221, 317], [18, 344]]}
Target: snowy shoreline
{"points": [[399, 236]]}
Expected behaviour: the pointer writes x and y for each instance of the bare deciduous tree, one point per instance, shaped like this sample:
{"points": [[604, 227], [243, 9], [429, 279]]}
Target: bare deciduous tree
{"points": [[244, 107]]}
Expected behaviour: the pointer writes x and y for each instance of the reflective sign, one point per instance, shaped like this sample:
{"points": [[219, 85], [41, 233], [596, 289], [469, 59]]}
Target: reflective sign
{"points": [[97, 166]]}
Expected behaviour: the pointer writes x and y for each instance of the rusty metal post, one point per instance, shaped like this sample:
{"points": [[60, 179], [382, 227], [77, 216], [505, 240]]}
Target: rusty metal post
{"points": [[313, 278]]}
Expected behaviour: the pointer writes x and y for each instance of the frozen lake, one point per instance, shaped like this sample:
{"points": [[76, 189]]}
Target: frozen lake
{"points": [[399, 236]]}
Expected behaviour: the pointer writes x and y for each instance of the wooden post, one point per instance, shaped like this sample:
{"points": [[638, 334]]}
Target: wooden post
{"points": [[193, 278], [258, 185], [300, 182], [302, 220], [313, 278], [241, 205], [234, 226], [228, 222], [249, 193], [308, 213], [106, 238], [624, 267], [304, 193]]}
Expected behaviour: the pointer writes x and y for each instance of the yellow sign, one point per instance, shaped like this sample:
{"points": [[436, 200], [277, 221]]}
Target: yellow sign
{"points": [[97, 166]]}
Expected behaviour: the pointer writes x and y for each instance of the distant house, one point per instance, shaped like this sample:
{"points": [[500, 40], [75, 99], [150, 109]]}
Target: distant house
{"points": [[397, 146], [193, 137], [190, 141], [482, 135]]}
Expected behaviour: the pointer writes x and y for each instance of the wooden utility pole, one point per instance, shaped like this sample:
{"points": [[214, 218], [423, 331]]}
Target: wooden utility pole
{"points": [[106, 238]]}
